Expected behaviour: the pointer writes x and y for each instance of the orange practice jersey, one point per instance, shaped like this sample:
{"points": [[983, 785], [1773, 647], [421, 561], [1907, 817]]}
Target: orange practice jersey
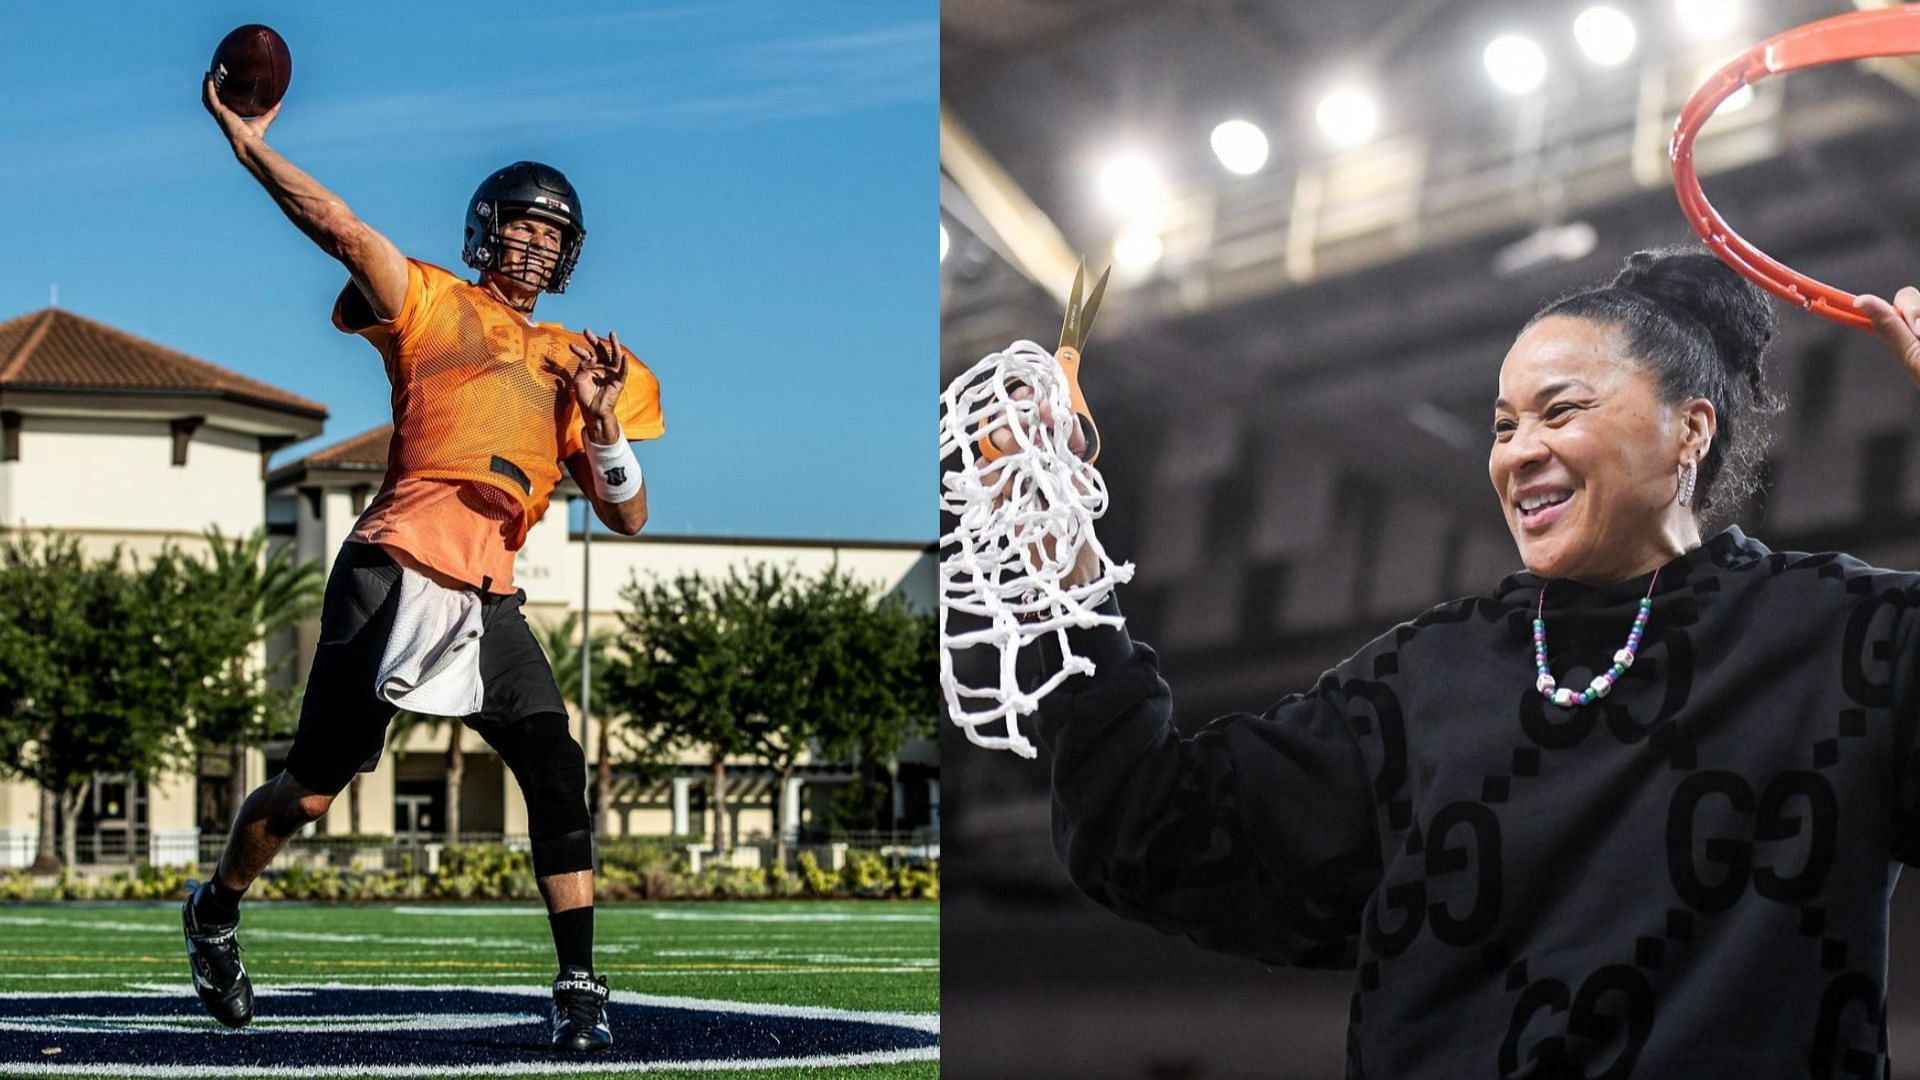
{"points": [[479, 429]]}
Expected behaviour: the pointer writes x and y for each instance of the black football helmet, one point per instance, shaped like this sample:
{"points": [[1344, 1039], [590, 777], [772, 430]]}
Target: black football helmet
{"points": [[524, 188]]}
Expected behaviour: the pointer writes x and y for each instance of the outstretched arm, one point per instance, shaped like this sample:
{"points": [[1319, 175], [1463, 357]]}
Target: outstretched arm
{"points": [[378, 268], [1255, 836]]}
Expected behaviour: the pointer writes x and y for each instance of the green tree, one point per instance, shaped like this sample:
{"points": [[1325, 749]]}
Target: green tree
{"points": [[847, 677], [767, 663], [692, 649], [95, 663], [561, 642], [245, 593]]}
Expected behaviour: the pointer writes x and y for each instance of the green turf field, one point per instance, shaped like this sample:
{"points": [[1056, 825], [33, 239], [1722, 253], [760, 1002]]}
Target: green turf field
{"points": [[871, 956]]}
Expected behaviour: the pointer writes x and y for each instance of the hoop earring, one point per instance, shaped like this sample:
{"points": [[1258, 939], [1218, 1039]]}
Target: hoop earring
{"points": [[1689, 471]]}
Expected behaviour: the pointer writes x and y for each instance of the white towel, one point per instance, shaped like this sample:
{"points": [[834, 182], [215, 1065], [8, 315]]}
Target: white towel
{"points": [[432, 661]]}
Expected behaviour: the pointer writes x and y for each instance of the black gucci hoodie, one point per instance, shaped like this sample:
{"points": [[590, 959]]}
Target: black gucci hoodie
{"points": [[1686, 878]]}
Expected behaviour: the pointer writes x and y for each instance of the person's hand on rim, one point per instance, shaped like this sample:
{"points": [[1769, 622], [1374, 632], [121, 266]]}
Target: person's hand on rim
{"points": [[1897, 324]]}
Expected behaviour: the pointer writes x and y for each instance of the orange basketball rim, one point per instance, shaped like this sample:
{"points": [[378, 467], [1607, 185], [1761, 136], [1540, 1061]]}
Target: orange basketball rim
{"points": [[1893, 31]]}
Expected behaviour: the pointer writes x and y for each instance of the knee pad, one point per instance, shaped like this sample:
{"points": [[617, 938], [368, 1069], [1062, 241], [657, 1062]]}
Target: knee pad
{"points": [[562, 853], [552, 771], [288, 813]]}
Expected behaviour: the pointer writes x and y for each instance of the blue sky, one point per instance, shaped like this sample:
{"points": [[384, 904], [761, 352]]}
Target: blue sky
{"points": [[758, 181]]}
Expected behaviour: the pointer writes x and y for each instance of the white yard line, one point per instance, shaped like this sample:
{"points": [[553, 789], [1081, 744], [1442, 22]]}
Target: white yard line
{"points": [[537, 1068], [926, 1022]]}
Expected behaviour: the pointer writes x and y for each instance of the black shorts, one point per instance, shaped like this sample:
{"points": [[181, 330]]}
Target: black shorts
{"points": [[343, 722]]}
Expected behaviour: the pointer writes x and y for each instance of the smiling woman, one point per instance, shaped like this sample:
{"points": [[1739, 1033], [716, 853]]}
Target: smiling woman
{"points": [[1527, 879], [1630, 414]]}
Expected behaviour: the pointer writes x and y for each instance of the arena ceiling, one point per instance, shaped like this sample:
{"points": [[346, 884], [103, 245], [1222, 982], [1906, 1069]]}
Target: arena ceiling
{"points": [[1048, 92], [1295, 394]]}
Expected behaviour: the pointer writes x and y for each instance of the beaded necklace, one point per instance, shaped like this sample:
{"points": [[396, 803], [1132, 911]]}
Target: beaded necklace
{"points": [[1603, 682]]}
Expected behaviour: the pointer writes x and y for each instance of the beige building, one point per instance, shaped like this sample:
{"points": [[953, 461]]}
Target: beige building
{"points": [[187, 443]]}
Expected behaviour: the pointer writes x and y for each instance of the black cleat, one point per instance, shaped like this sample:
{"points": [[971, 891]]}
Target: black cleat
{"points": [[213, 954], [580, 1012]]}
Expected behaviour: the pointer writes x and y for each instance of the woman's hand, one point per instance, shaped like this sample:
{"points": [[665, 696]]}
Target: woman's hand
{"points": [[1003, 439], [1086, 564], [1897, 324]]}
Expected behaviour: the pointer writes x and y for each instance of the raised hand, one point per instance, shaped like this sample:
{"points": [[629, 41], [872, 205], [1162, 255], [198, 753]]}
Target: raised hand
{"points": [[596, 383], [1004, 441], [1086, 562], [1897, 324], [235, 126]]}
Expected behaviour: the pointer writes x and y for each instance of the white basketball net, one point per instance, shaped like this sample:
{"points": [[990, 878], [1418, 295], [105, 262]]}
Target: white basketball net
{"points": [[1022, 522]]}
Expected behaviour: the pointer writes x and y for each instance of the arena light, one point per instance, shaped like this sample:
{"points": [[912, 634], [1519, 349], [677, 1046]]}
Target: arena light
{"points": [[1709, 20], [1517, 65], [1129, 183], [1544, 246], [1605, 34], [943, 241], [1347, 117], [1240, 145], [1136, 249]]}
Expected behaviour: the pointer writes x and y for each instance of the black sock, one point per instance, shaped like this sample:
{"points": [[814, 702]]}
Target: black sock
{"points": [[573, 937], [216, 904]]}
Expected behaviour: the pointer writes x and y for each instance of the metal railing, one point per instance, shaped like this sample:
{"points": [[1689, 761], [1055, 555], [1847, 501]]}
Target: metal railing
{"points": [[418, 851], [421, 852]]}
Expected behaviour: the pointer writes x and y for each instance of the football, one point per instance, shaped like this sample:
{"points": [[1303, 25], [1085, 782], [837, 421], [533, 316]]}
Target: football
{"points": [[251, 69]]}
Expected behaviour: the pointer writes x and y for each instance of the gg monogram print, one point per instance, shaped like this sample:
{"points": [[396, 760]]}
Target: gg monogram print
{"points": [[1688, 877]]}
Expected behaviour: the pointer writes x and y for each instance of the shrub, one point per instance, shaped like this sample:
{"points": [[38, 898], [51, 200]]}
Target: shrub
{"points": [[492, 871], [912, 882], [644, 869], [732, 882], [818, 881], [866, 874], [630, 869]]}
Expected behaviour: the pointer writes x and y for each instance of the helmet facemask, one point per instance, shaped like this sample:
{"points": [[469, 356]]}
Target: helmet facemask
{"points": [[543, 268], [524, 189]]}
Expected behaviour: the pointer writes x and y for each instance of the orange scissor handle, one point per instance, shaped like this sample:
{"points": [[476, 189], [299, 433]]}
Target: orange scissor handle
{"points": [[1069, 360], [1073, 338], [1858, 35]]}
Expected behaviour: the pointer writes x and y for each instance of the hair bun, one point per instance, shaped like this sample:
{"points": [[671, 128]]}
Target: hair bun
{"points": [[1734, 312]]}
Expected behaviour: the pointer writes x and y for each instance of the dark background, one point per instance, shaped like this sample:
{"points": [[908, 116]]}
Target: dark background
{"points": [[1295, 400]]}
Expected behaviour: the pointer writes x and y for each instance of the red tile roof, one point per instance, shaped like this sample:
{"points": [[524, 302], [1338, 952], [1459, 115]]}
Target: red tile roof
{"points": [[359, 454], [56, 350], [365, 450]]}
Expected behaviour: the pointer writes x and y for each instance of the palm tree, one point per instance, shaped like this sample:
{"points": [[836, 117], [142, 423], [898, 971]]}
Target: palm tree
{"points": [[404, 724], [270, 592], [561, 642]]}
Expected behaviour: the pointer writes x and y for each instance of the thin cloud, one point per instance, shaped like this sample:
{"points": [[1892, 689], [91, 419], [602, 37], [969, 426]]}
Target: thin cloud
{"points": [[813, 75], [636, 18], [772, 80], [885, 65]]}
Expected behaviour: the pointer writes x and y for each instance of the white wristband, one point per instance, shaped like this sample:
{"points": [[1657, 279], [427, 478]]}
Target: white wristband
{"points": [[616, 472]]}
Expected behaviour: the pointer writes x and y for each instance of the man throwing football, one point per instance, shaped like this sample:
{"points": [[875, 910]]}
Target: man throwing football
{"points": [[487, 405]]}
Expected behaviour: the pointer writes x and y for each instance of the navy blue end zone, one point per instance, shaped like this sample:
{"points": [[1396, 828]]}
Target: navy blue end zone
{"points": [[321, 1030]]}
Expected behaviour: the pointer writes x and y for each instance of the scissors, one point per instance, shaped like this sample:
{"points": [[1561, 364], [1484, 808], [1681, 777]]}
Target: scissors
{"points": [[1073, 342]]}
